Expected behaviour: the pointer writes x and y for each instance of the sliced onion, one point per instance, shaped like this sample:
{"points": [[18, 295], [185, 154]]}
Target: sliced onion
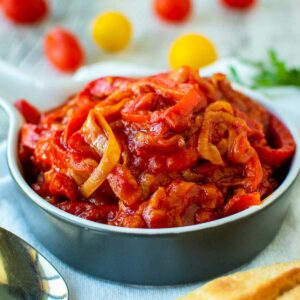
{"points": [[109, 159]]}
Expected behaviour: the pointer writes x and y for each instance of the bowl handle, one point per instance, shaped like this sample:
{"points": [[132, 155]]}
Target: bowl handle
{"points": [[8, 107], [14, 83], [13, 114], [5, 179]]}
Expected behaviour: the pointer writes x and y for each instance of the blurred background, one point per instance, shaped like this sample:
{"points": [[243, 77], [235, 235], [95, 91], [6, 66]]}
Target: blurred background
{"points": [[239, 33], [247, 32]]}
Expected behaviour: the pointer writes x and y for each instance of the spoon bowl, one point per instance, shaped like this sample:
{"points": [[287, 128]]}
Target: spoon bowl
{"points": [[25, 273]]}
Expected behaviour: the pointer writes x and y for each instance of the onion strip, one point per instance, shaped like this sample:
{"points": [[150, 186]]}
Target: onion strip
{"points": [[108, 162]]}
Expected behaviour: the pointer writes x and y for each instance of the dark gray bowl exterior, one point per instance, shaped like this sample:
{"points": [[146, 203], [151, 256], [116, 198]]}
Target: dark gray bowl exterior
{"points": [[162, 259]]}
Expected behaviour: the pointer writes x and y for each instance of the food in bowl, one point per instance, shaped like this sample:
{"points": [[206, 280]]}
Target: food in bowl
{"points": [[174, 149]]}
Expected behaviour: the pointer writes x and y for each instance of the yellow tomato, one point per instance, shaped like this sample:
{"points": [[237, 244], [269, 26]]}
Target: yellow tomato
{"points": [[111, 31], [193, 50]]}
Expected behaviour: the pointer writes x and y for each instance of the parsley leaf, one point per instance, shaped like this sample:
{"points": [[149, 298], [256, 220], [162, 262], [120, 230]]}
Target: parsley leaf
{"points": [[273, 72]]}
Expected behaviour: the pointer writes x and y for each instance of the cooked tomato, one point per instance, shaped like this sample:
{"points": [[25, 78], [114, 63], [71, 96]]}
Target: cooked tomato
{"points": [[63, 50], [25, 11], [239, 4], [283, 145], [173, 10], [241, 202], [30, 113], [173, 149]]}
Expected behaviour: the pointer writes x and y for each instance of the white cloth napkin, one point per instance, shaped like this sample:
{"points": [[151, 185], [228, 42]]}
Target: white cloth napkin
{"points": [[286, 245]]}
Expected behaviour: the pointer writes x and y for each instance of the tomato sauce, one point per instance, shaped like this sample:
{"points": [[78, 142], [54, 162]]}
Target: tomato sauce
{"points": [[169, 150]]}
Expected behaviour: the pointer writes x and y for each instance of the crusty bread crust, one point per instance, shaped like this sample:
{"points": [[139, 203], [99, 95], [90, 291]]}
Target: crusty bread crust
{"points": [[293, 294], [280, 281]]}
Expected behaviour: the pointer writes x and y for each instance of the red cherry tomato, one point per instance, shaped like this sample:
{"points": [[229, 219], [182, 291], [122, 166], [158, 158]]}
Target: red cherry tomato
{"points": [[63, 50], [173, 10], [25, 11], [239, 4]]}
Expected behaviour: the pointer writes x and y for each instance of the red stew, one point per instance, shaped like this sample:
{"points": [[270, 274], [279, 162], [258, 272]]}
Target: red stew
{"points": [[169, 150]]}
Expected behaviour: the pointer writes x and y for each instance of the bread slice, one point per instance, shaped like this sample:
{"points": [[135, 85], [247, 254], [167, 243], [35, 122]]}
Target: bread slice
{"points": [[279, 281]]}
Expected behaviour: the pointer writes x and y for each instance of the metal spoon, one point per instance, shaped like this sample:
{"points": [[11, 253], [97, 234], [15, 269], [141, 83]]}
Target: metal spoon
{"points": [[25, 274]]}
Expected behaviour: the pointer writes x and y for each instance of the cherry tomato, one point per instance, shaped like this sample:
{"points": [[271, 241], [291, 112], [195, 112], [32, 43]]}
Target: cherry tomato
{"points": [[25, 11], [193, 50], [173, 10], [63, 50], [111, 31], [239, 4]]}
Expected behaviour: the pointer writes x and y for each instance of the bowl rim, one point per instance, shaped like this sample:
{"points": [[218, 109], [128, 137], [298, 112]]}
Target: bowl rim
{"points": [[16, 121]]}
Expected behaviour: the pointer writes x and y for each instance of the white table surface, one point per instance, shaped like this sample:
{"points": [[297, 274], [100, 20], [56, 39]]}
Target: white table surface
{"points": [[272, 24]]}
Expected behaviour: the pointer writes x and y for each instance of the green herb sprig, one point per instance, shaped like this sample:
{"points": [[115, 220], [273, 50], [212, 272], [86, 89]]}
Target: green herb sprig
{"points": [[273, 72]]}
